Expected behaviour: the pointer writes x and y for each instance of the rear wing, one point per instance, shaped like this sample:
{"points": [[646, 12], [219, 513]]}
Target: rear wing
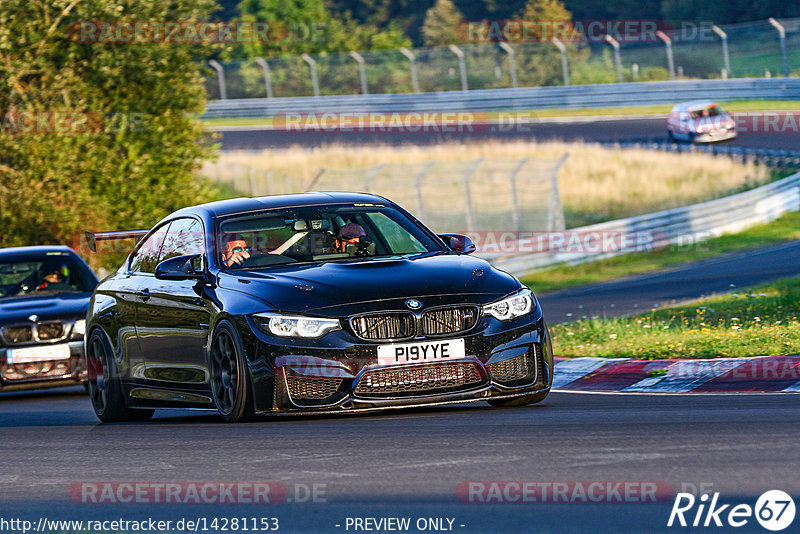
{"points": [[93, 237]]}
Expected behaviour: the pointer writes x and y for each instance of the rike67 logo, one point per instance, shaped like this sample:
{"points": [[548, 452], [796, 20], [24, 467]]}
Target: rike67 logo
{"points": [[774, 510]]}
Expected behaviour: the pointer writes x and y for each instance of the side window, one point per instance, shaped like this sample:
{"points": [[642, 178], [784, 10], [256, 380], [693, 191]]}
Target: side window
{"points": [[146, 257], [185, 236]]}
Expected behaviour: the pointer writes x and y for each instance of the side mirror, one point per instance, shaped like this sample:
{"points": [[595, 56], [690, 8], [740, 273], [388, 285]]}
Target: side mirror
{"points": [[180, 268], [459, 243]]}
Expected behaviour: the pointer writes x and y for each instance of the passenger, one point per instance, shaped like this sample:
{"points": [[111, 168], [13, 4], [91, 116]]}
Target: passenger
{"points": [[349, 234]]}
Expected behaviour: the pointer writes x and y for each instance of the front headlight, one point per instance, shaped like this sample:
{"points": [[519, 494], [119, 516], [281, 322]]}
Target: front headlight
{"points": [[79, 327], [295, 326], [511, 307]]}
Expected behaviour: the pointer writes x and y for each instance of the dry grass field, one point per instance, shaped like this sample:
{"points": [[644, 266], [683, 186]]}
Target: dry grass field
{"points": [[595, 184]]}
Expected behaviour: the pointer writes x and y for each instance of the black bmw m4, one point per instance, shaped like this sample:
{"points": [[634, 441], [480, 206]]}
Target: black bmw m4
{"points": [[308, 303]]}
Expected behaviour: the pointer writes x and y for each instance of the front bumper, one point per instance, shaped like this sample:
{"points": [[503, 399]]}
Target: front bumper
{"points": [[714, 136], [340, 373], [42, 374]]}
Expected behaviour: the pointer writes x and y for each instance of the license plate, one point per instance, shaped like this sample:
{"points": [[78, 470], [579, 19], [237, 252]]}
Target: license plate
{"points": [[424, 352], [38, 354]]}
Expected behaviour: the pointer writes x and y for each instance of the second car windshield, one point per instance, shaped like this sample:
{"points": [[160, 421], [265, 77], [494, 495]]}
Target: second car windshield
{"points": [[42, 273], [319, 234]]}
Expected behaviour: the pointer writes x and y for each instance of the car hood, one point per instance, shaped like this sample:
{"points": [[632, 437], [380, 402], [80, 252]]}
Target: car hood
{"points": [[348, 287], [46, 306]]}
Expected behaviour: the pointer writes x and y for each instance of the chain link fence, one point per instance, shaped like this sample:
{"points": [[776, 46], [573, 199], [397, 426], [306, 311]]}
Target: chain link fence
{"points": [[697, 50], [485, 194]]}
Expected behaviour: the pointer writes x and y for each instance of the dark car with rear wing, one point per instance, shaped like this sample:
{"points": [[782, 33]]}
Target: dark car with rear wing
{"points": [[308, 303], [44, 296]]}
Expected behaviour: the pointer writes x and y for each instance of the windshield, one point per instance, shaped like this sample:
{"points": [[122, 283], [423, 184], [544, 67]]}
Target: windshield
{"points": [[708, 111], [320, 234], [43, 273]]}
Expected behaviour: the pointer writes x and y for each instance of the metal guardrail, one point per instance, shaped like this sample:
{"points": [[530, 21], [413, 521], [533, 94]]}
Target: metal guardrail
{"points": [[682, 226], [771, 157], [524, 98]]}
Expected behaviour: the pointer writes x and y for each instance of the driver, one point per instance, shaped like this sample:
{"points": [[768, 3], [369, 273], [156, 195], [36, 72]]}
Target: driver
{"points": [[348, 234], [54, 277], [235, 251]]}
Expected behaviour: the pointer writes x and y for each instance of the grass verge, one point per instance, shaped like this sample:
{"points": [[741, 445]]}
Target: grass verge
{"points": [[663, 109], [762, 320], [784, 228]]}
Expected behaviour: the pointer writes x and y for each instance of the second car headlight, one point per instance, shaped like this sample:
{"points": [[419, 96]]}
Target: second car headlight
{"points": [[295, 325], [512, 307], [79, 328]]}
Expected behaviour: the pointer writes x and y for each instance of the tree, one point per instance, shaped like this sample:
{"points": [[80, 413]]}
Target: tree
{"points": [[442, 23], [96, 135], [305, 26]]}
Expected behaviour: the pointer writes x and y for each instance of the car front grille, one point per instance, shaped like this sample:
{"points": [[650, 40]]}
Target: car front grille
{"points": [[50, 331], [312, 388], [384, 326], [449, 320], [18, 334], [400, 325], [518, 369], [410, 380]]}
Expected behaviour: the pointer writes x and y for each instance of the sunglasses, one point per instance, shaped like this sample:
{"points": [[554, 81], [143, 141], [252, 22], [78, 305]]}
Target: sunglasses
{"points": [[241, 249]]}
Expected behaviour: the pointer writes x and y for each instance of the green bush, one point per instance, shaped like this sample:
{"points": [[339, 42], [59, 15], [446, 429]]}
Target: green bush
{"points": [[137, 154]]}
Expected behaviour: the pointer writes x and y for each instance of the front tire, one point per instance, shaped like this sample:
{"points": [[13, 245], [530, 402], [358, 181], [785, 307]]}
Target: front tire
{"points": [[230, 380], [105, 389]]}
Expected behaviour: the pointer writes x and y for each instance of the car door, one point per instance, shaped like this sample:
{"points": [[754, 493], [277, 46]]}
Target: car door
{"points": [[130, 295], [172, 324]]}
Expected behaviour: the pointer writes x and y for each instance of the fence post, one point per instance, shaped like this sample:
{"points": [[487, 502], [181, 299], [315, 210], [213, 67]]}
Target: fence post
{"points": [[313, 66], [725, 57], [421, 178], [371, 176], [362, 71], [670, 60], [223, 93], [512, 63], [462, 65], [412, 60], [267, 77], [782, 35], [555, 211], [617, 59], [515, 215], [311, 183], [468, 195], [564, 64]]}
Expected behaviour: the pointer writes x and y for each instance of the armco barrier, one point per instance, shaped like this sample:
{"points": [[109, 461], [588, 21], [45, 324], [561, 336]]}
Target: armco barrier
{"points": [[524, 98], [676, 226]]}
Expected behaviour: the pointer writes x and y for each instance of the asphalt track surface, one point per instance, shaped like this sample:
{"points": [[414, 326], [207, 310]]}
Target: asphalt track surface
{"points": [[602, 131], [409, 463], [687, 281]]}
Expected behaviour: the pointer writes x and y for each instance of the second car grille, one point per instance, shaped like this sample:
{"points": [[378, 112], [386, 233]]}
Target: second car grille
{"points": [[18, 334], [431, 378], [312, 388], [49, 331], [449, 320], [384, 326], [394, 326], [518, 369]]}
